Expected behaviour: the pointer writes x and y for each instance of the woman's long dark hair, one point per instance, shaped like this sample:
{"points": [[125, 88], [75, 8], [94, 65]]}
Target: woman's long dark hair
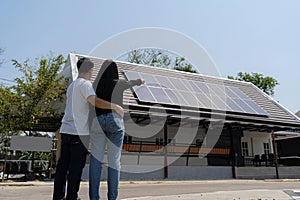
{"points": [[106, 80]]}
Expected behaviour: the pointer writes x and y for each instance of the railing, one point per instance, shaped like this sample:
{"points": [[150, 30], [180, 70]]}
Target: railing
{"points": [[174, 148], [215, 156], [23, 166], [259, 160]]}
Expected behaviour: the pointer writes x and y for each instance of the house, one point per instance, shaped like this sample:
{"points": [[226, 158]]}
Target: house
{"points": [[181, 125]]}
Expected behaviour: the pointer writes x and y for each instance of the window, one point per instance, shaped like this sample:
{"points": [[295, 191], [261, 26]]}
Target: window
{"points": [[159, 141], [127, 139], [266, 148], [245, 151]]}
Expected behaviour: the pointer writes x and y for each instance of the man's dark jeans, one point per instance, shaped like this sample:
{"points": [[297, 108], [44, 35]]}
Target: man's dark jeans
{"points": [[71, 162]]}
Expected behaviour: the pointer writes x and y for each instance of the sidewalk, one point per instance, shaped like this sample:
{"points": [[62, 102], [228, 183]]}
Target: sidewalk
{"points": [[225, 195], [36, 190]]}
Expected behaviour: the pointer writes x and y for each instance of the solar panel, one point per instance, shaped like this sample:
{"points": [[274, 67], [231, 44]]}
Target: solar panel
{"points": [[148, 78], [131, 75], [178, 84], [230, 93], [219, 102], [255, 107], [190, 98], [216, 89], [233, 106], [164, 81], [143, 93], [202, 87], [242, 104], [239, 93], [176, 97], [195, 88], [205, 100], [175, 91], [160, 95], [187, 84]]}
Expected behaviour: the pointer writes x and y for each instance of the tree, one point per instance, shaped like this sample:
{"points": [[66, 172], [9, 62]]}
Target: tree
{"points": [[29, 103], [159, 58], [151, 57], [265, 83], [23, 105], [182, 65], [7, 100]]}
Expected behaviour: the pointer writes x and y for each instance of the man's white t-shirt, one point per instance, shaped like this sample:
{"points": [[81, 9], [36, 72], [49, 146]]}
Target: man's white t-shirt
{"points": [[75, 120]]}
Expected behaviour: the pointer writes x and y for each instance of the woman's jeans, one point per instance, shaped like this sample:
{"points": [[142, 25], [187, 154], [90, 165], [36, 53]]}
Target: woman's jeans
{"points": [[110, 133]]}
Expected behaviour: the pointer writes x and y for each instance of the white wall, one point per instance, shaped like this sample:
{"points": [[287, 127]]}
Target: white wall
{"points": [[267, 172], [134, 172], [256, 140]]}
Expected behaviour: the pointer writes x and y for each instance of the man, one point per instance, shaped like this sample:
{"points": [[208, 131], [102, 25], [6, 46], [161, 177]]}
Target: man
{"points": [[75, 130]]}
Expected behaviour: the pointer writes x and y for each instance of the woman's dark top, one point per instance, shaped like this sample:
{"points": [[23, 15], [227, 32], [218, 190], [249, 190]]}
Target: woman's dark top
{"points": [[114, 93], [108, 86]]}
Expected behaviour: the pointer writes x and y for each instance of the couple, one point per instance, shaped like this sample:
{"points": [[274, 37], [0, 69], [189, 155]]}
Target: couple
{"points": [[107, 128]]}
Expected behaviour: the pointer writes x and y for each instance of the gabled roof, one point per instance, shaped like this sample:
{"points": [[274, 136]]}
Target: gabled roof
{"points": [[278, 118], [298, 113]]}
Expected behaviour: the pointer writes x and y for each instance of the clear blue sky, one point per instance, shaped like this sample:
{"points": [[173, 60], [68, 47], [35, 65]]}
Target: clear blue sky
{"points": [[240, 35]]}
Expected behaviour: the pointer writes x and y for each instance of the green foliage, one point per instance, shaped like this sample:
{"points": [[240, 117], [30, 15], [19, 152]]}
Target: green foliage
{"points": [[30, 99], [7, 100], [151, 57], [182, 65], [266, 84], [22, 105], [27, 155], [159, 58]]}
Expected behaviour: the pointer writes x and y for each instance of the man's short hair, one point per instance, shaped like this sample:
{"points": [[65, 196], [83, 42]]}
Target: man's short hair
{"points": [[84, 65]]}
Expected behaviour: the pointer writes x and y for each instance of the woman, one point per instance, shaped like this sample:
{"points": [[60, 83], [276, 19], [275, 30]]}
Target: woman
{"points": [[111, 131]]}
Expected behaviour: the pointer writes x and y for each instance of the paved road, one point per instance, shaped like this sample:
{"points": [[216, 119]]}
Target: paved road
{"points": [[168, 190]]}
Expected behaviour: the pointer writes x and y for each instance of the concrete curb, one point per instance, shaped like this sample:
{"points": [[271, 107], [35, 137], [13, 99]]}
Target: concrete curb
{"points": [[50, 182], [23, 184]]}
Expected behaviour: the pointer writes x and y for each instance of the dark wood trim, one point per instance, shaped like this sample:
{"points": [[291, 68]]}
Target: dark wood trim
{"points": [[166, 150]]}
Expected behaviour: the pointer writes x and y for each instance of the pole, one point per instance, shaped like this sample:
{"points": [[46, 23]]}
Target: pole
{"points": [[275, 154], [5, 159], [232, 152], [5, 164], [166, 149]]}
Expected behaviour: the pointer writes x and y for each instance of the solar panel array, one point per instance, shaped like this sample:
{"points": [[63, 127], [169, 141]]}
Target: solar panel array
{"points": [[175, 91]]}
